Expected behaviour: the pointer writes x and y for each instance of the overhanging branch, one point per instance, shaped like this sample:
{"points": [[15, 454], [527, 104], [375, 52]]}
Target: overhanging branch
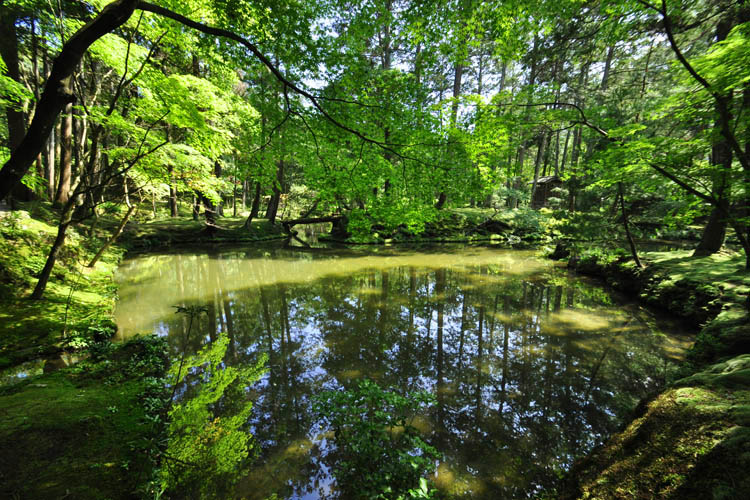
{"points": [[230, 35]]}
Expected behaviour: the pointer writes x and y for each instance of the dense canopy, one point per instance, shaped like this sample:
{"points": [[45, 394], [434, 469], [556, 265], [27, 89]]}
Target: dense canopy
{"points": [[386, 110]]}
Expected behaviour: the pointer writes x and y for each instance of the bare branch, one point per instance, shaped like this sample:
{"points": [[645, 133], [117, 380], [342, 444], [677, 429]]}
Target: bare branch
{"points": [[687, 187]]}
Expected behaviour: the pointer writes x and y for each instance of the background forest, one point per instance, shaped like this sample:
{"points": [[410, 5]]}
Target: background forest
{"points": [[385, 111]]}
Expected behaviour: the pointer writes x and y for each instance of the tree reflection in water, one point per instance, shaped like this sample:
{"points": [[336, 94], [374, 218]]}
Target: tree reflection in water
{"points": [[529, 367]]}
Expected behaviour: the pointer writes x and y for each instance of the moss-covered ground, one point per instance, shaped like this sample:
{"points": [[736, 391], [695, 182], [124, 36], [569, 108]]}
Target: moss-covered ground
{"points": [[79, 417], [693, 440], [78, 301], [166, 232], [91, 429]]}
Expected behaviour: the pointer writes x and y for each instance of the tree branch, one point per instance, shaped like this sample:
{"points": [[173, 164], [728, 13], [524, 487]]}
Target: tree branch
{"points": [[687, 187], [223, 33]]}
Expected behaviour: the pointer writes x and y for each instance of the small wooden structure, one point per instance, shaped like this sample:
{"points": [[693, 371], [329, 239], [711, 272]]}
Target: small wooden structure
{"points": [[543, 191]]}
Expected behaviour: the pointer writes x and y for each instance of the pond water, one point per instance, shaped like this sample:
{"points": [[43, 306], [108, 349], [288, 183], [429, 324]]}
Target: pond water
{"points": [[530, 367]]}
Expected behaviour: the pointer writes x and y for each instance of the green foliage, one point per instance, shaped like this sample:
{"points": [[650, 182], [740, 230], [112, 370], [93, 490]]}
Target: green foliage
{"points": [[584, 225], [12, 93], [206, 453], [91, 431], [379, 453]]}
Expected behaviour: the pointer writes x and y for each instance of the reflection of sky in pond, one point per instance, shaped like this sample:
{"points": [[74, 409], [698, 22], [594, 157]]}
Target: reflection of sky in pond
{"points": [[530, 367]]}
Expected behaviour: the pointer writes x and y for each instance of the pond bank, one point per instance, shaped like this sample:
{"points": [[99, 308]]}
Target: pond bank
{"points": [[693, 440], [105, 402], [81, 417]]}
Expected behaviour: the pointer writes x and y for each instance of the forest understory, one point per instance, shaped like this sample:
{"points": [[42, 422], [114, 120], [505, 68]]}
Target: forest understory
{"points": [[614, 134]]}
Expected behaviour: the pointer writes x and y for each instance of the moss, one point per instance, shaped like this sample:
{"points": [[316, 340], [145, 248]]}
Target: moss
{"points": [[83, 432], [91, 430], [727, 335], [77, 298], [666, 283], [183, 231], [693, 441]]}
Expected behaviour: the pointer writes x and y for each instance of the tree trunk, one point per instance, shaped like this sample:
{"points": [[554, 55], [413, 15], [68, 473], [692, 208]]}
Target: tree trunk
{"points": [[626, 224], [577, 142], [564, 155], [273, 205], [196, 207], [114, 237], [9, 52], [209, 211], [58, 91], [442, 198], [172, 193], [51, 161], [234, 196], [66, 157], [14, 113], [256, 206], [65, 220], [715, 231], [539, 154]]}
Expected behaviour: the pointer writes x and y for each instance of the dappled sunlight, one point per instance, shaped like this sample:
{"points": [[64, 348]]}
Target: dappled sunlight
{"points": [[582, 320], [456, 483], [350, 374]]}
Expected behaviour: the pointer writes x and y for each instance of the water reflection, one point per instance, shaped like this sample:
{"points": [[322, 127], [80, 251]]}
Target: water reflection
{"points": [[529, 367]]}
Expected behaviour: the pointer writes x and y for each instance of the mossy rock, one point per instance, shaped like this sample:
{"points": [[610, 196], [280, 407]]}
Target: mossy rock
{"points": [[732, 373], [727, 335]]}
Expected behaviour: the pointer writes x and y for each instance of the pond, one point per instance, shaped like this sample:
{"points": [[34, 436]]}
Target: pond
{"points": [[529, 366]]}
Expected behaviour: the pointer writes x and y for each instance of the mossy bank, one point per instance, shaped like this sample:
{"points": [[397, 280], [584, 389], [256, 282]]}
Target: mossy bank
{"points": [[693, 440], [81, 418]]}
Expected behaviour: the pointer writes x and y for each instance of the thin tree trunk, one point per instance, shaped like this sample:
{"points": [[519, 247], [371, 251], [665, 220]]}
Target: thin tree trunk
{"points": [[565, 154], [234, 196], [273, 205], [172, 193], [51, 162], [36, 85], [66, 157], [625, 223], [65, 220], [539, 154], [113, 238], [256, 206]]}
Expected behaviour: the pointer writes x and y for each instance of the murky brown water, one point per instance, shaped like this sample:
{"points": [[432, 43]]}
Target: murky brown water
{"points": [[530, 367]]}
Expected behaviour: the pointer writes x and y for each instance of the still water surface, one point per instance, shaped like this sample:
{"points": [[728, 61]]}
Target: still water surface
{"points": [[530, 367]]}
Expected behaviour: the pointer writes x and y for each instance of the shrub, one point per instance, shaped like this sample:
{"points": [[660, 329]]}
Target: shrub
{"points": [[379, 453]]}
